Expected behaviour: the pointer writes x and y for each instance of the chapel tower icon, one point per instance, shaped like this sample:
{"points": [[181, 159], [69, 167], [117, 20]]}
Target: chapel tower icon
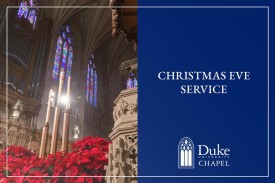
{"points": [[186, 153]]}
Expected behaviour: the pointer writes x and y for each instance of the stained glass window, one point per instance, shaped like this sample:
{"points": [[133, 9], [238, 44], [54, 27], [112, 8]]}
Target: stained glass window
{"points": [[28, 11], [70, 61], [88, 83], [63, 54], [95, 89], [91, 83], [131, 81]]}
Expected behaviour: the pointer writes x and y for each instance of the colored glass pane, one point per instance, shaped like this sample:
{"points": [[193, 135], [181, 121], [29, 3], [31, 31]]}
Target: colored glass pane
{"points": [[64, 56], [95, 90], [69, 64], [32, 17], [88, 83], [57, 58], [68, 29], [31, 3], [64, 35], [69, 40], [129, 83], [23, 10], [26, 12], [135, 83], [91, 85]]}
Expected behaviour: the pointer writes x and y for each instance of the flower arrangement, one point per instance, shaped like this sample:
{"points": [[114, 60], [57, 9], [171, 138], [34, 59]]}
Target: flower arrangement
{"points": [[87, 158]]}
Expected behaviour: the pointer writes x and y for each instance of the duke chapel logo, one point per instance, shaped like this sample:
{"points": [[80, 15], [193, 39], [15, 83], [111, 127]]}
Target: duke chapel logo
{"points": [[186, 153], [206, 156]]}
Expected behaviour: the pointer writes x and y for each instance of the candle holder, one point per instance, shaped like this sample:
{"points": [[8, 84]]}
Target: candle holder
{"points": [[45, 132], [56, 116]]}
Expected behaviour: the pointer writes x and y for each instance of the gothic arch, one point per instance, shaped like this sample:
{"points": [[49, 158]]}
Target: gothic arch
{"points": [[186, 153], [27, 10], [21, 139], [11, 137], [64, 53], [91, 82], [2, 133]]}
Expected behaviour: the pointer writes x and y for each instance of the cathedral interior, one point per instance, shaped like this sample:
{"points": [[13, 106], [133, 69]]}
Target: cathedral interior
{"points": [[88, 41]]}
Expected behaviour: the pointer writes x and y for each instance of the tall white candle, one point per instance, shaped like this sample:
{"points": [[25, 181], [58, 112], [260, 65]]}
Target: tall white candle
{"points": [[60, 85], [56, 117], [68, 92], [49, 106]]}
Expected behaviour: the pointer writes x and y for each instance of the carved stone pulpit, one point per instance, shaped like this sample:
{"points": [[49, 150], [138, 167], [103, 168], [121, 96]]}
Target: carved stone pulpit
{"points": [[123, 150]]}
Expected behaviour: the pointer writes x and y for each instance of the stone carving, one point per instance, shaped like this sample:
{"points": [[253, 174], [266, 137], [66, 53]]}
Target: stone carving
{"points": [[129, 66], [110, 168], [117, 25], [20, 131], [132, 108], [124, 108], [120, 164], [122, 156], [120, 109], [132, 158], [123, 152]]}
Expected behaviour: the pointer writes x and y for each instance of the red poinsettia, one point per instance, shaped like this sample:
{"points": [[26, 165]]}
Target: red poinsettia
{"points": [[87, 158]]}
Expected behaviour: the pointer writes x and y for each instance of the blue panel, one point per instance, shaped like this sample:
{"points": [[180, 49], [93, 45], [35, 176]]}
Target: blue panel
{"points": [[203, 39]]}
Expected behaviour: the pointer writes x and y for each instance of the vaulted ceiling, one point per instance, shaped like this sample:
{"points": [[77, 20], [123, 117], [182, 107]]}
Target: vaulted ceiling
{"points": [[96, 21]]}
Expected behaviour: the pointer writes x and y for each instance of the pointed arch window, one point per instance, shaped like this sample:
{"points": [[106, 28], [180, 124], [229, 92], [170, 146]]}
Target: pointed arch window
{"points": [[131, 81], [28, 11], [91, 83], [64, 53], [186, 153]]}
